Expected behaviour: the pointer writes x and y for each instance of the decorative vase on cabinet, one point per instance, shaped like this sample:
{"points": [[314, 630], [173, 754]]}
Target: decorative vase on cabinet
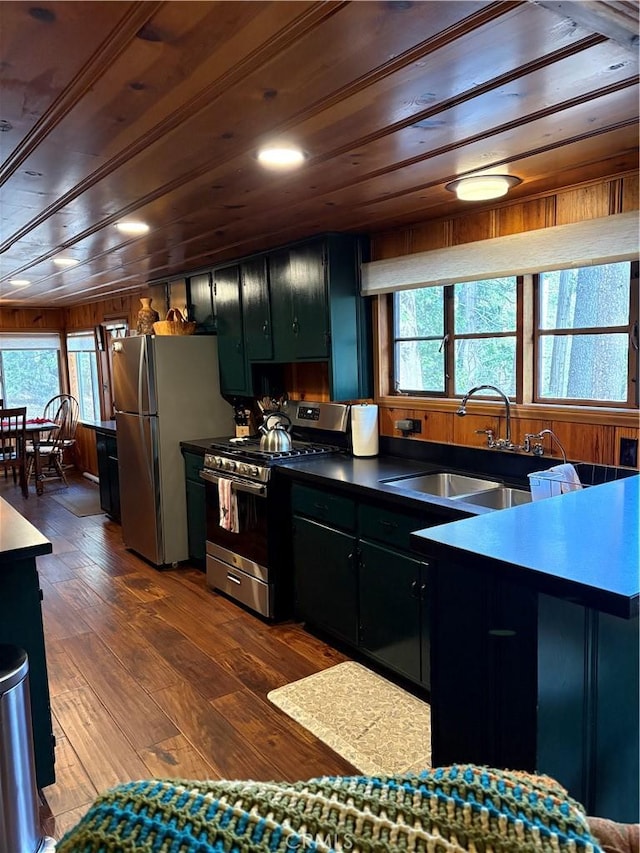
{"points": [[147, 316]]}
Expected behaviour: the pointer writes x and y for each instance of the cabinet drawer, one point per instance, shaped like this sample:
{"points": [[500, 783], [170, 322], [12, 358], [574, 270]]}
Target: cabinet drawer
{"points": [[389, 526], [193, 463], [337, 510]]}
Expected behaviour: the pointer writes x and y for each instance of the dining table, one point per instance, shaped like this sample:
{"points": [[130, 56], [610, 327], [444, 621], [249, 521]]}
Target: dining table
{"points": [[35, 428]]}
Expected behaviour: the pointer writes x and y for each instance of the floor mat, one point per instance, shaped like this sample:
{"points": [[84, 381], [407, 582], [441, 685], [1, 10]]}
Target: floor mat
{"points": [[80, 499], [377, 726]]}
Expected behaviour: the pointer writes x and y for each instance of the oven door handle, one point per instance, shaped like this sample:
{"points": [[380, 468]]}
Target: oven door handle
{"points": [[258, 489]]}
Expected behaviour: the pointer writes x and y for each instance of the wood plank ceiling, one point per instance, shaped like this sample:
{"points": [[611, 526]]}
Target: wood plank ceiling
{"points": [[156, 110]]}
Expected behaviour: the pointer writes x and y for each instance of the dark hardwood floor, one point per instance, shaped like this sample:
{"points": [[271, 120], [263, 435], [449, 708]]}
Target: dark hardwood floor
{"points": [[152, 674]]}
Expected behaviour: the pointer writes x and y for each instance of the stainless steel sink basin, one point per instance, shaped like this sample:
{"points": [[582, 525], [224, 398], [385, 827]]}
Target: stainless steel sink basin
{"points": [[443, 484], [501, 498]]}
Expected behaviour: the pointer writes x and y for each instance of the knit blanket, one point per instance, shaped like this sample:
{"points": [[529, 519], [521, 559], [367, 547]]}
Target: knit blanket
{"points": [[445, 810]]}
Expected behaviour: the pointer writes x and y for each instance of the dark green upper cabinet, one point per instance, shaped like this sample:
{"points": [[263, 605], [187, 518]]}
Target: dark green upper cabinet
{"points": [[300, 303], [231, 351], [318, 313], [256, 310], [200, 301]]}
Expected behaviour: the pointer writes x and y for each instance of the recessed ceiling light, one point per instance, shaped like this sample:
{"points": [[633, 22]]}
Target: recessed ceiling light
{"points": [[131, 226], [482, 187], [281, 156], [19, 282], [65, 262]]}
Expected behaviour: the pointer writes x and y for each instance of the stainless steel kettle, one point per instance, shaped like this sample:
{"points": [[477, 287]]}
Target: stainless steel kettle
{"points": [[276, 438]]}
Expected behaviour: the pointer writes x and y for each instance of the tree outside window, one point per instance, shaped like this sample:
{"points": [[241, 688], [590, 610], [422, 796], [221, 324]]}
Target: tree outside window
{"points": [[29, 370], [583, 323], [83, 373]]}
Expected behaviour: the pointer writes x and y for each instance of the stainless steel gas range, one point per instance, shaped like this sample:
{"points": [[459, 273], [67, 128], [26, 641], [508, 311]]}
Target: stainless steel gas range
{"points": [[244, 511]]}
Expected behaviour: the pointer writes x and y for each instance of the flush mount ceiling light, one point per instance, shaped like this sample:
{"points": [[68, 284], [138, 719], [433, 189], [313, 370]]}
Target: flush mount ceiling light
{"points": [[281, 156], [19, 282], [65, 262], [483, 187], [131, 226]]}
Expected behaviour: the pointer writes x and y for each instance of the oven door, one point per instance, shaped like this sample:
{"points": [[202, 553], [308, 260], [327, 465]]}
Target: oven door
{"points": [[248, 547], [237, 562]]}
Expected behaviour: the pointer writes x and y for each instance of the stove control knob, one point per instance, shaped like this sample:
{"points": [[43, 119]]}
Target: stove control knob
{"points": [[231, 465], [253, 470]]}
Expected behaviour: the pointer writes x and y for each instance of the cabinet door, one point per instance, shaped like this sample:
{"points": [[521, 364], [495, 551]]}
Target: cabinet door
{"points": [[284, 340], [256, 312], [196, 520], [231, 354], [310, 324], [114, 487], [299, 303], [200, 301], [390, 608], [325, 578], [103, 472], [21, 625]]}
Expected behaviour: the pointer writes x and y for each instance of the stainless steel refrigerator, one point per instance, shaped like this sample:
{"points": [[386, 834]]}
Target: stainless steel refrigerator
{"points": [[166, 390]]}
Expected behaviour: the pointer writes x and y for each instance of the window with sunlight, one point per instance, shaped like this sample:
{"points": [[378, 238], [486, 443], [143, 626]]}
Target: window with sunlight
{"points": [[29, 370], [83, 373]]}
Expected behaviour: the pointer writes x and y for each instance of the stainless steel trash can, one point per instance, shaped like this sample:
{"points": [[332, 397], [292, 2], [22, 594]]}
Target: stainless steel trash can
{"points": [[19, 831]]}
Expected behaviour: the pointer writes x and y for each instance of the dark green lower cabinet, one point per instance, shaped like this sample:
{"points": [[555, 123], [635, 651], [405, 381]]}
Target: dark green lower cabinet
{"points": [[196, 512], [107, 453], [393, 590], [326, 581], [21, 625], [196, 520]]}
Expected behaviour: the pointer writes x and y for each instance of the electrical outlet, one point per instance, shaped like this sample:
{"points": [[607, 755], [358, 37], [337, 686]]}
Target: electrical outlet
{"points": [[629, 452], [409, 426]]}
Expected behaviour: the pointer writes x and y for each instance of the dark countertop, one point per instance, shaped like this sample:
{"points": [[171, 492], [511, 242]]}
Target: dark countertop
{"points": [[104, 426], [584, 544], [196, 445], [364, 476], [19, 539]]}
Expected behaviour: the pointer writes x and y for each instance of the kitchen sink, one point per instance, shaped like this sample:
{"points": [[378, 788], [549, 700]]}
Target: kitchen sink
{"points": [[443, 484], [501, 498]]}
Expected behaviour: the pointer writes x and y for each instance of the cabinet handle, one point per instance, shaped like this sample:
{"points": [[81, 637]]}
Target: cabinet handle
{"points": [[238, 346], [390, 525], [295, 326], [265, 329], [423, 589], [321, 506], [414, 589]]}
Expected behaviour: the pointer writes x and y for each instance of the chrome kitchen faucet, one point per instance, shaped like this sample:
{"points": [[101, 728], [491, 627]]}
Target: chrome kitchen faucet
{"points": [[500, 443]]}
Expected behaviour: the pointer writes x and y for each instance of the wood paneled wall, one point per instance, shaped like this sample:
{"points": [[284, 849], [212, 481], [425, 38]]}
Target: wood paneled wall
{"points": [[31, 319], [588, 435], [94, 313], [80, 317]]}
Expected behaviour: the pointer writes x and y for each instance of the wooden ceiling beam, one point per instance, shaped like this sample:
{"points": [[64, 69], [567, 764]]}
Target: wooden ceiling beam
{"points": [[615, 20]]}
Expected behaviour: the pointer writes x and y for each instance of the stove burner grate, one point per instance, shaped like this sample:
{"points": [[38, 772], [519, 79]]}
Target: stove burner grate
{"points": [[250, 449]]}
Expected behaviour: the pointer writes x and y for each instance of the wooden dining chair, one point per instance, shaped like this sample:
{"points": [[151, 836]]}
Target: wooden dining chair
{"points": [[64, 410], [13, 443], [51, 457]]}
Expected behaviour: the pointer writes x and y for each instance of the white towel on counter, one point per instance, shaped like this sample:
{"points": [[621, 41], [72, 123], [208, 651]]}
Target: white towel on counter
{"points": [[228, 501], [554, 481], [568, 476]]}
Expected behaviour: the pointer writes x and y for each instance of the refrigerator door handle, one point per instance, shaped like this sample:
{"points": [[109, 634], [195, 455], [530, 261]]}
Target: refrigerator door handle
{"points": [[142, 365]]}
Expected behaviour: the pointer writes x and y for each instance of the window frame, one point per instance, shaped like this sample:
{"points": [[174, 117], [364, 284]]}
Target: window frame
{"points": [[632, 354], [6, 336], [526, 354], [449, 338], [75, 372]]}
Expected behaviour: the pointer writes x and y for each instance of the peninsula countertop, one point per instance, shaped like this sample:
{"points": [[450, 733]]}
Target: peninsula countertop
{"points": [[19, 539], [584, 543]]}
